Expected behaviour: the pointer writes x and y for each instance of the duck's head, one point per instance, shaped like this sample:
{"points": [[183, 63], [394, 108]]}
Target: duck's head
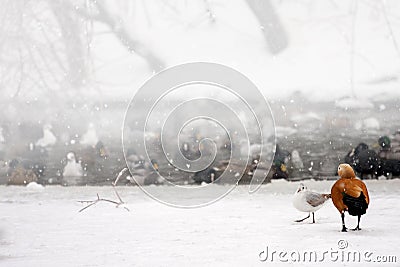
{"points": [[155, 164], [346, 171]]}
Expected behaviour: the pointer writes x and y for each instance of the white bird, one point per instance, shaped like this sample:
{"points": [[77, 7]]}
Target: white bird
{"points": [[73, 168], [2, 139], [296, 160], [308, 201], [140, 170], [90, 138], [48, 138]]}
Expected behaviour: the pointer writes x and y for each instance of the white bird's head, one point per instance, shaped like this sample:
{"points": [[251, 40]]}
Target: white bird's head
{"points": [[71, 157], [302, 187], [47, 127], [91, 126]]}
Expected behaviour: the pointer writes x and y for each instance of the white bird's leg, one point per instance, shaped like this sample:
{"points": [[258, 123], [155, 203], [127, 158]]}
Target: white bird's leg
{"points": [[303, 218], [313, 219]]}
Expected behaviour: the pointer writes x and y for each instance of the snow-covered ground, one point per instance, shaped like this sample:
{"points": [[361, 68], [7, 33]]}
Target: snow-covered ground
{"points": [[42, 227]]}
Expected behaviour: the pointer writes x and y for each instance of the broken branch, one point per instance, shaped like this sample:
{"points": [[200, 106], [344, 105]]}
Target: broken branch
{"points": [[118, 203]]}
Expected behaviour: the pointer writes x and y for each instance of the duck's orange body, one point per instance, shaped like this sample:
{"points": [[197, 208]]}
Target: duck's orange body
{"points": [[350, 187]]}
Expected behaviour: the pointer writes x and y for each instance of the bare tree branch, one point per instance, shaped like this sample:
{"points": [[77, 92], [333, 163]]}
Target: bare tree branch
{"points": [[41, 75], [125, 37], [209, 11], [54, 52], [21, 79], [118, 203], [389, 25], [94, 202]]}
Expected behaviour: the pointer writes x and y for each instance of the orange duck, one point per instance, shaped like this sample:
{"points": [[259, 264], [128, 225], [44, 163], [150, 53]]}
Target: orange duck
{"points": [[349, 194]]}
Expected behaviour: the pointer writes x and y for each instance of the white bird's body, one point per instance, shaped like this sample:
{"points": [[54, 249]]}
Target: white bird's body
{"points": [[48, 138], [296, 160], [300, 201], [73, 168], [90, 138], [308, 201], [2, 139]]}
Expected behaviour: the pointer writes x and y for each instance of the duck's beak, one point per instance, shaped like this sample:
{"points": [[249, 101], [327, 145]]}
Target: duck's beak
{"points": [[103, 152], [155, 165]]}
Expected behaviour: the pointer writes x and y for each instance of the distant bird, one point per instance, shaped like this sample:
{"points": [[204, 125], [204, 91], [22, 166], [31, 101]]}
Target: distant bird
{"points": [[25, 170], [279, 167], [21, 172], [349, 194], [96, 161], [48, 138], [3, 172], [90, 138], [209, 175], [296, 160], [101, 150], [22, 177], [363, 160], [73, 168], [308, 201], [2, 139], [142, 173]]}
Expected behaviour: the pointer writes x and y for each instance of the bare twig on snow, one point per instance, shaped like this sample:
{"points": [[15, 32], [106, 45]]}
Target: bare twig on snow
{"points": [[118, 203]]}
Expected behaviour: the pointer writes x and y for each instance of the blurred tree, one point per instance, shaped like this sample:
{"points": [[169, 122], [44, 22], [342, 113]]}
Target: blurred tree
{"points": [[72, 33], [45, 44], [271, 26], [102, 11], [42, 48]]}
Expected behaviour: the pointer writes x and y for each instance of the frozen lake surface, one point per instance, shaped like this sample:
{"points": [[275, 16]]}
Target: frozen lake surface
{"points": [[42, 227]]}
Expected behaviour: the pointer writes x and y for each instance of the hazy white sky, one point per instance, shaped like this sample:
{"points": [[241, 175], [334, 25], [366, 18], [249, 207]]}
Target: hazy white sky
{"points": [[316, 62]]}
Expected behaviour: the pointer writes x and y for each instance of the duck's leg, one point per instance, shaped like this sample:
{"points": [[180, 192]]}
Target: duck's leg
{"points": [[344, 229], [358, 224], [303, 218], [313, 219]]}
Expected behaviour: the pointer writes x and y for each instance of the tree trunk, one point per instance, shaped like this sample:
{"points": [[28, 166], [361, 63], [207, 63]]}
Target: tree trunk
{"points": [[271, 26], [74, 48]]}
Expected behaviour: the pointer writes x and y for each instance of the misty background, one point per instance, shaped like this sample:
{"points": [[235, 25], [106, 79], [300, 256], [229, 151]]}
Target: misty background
{"points": [[329, 69]]}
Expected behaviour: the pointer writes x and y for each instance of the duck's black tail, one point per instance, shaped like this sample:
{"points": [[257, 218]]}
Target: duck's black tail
{"points": [[357, 205]]}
